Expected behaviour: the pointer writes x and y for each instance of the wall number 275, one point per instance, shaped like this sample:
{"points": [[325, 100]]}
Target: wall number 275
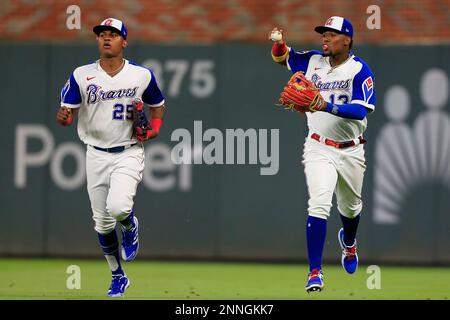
{"points": [[197, 76]]}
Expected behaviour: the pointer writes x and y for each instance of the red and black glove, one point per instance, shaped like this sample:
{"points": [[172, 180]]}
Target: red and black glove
{"points": [[142, 128], [151, 130]]}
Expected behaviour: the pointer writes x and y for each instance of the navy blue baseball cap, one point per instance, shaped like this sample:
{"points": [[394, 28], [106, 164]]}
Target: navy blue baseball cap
{"points": [[337, 24], [112, 24]]}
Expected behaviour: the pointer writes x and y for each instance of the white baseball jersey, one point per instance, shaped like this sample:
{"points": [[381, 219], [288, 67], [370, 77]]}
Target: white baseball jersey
{"points": [[105, 102], [349, 82]]}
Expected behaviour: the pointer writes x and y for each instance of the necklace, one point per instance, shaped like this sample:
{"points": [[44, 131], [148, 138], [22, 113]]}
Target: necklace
{"points": [[112, 73], [332, 68]]}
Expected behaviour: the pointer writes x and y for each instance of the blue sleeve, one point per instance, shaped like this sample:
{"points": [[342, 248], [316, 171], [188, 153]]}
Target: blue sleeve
{"points": [[299, 61], [152, 95], [349, 111], [364, 88], [70, 94]]}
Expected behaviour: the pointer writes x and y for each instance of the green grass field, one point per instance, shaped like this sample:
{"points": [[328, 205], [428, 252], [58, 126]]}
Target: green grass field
{"points": [[46, 279]]}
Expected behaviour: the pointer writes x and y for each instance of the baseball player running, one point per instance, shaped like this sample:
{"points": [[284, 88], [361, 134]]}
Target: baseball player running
{"points": [[104, 95], [333, 155]]}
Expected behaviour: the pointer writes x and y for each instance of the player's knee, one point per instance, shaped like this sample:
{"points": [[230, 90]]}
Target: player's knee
{"points": [[350, 209], [320, 206], [319, 209], [119, 209]]}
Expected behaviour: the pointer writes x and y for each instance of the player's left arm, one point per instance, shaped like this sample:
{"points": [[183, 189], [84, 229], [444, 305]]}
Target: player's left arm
{"points": [[362, 100], [348, 110], [154, 98], [156, 120]]}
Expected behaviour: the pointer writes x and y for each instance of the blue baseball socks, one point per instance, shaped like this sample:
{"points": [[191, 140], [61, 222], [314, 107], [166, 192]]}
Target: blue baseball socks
{"points": [[110, 247], [350, 228], [316, 232]]}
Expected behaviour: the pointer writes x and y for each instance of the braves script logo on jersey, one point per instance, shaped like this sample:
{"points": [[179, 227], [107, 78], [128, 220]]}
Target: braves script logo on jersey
{"points": [[94, 93], [339, 84], [367, 88]]}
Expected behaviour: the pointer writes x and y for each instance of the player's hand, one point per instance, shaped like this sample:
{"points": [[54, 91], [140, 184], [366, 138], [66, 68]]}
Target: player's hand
{"points": [[269, 36], [318, 104], [64, 116], [143, 135]]}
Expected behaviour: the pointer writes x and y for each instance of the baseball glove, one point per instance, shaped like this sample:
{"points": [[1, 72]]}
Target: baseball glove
{"points": [[302, 95], [140, 123]]}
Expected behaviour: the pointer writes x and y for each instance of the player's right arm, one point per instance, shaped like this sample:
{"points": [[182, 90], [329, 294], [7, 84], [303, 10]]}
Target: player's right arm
{"points": [[65, 116], [280, 51], [287, 56], [70, 102]]}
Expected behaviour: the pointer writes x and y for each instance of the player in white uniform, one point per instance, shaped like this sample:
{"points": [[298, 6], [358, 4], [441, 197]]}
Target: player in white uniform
{"points": [[101, 95], [333, 152]]}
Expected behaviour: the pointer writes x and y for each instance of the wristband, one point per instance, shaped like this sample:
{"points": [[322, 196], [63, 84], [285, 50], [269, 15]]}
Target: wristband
{"points": [[332, 108], [156, 124], [279, 52], [349, 111]]}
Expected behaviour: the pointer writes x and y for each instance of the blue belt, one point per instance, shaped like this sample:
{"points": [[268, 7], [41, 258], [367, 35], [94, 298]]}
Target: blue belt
{"points": [[114, 149]]}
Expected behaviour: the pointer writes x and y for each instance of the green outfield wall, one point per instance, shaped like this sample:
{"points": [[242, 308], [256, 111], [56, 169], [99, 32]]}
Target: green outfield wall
{"points": [[247, 198]]}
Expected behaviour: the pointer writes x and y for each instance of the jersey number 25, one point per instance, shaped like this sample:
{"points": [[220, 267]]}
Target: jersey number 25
{"points": [[118, 112]]}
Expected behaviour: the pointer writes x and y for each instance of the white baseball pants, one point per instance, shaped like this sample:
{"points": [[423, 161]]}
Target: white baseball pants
{"points": [[330, 170], [112, 180]]}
